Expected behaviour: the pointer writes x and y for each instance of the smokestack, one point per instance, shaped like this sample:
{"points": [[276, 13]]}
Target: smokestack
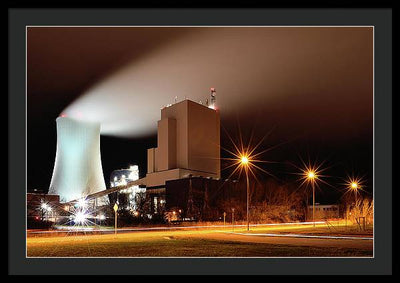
{"points": [[213, 98], [77, 170]]}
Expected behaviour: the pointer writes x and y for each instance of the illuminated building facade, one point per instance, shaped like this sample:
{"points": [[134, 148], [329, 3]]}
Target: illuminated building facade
{"points": [[77, 169], [188, 144], [123, 176]]}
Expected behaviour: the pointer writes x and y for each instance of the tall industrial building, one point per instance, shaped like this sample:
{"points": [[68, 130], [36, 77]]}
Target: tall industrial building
{"points": [[188, 144], [77, 169]]}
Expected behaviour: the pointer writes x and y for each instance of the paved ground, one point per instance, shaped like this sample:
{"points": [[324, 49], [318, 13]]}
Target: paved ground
{"points": [[310, 242]]}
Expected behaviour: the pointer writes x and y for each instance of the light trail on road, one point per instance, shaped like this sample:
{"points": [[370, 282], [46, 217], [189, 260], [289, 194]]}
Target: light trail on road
{"points": [[77, 229], [303, 236]]}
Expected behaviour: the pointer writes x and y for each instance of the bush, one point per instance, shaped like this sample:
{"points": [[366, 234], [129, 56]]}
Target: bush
{"points": [[362, 208], [266, 213]]}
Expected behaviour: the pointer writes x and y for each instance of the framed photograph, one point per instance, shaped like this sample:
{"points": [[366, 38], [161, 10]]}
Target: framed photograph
{"points": [[200, 141]]}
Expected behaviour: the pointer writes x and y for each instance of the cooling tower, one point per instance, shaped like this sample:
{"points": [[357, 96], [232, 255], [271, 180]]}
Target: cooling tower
{"points": [[77, 169]]}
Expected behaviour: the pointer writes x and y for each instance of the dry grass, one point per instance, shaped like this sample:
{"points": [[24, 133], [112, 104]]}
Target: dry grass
{"points": [[333, 229], [195, 243]]}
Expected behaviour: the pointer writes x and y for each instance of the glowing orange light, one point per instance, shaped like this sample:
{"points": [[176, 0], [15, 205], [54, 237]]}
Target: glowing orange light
{"points": [[244, 160], [311, 175], [354, 184]]}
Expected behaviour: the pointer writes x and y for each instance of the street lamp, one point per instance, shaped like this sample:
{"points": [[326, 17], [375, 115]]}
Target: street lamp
{"points": [[45, 210], [246, 158], [245, 162], [80, 217], [311, 175], [354, 184], [354, 187]]}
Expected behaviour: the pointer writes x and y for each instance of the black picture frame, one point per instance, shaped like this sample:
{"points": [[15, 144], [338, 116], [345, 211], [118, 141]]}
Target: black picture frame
{"points": [[381, 19]]}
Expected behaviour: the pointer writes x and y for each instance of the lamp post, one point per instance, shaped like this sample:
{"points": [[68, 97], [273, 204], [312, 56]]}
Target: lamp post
{"points": [[311, 178], [245, 161], [354, 187], [311, 175]]}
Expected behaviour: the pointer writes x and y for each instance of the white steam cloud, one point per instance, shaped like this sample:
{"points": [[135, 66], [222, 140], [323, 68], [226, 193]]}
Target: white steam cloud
{"points": [[247, 66]]}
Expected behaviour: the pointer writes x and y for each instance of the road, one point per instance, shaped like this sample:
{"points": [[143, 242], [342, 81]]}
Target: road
{"points": [[294, 239], [89, 230]]}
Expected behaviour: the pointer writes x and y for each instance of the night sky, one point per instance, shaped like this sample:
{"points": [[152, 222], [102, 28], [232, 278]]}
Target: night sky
{"points": [[311, 88]]}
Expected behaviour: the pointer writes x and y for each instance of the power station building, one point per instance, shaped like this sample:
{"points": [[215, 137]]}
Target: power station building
{"points": [[188, 145], [77, 170], [122, 177]]}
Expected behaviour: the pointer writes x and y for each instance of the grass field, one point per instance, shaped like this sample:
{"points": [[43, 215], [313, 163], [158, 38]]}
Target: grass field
{"points": [[193, 243], [333, 230]]}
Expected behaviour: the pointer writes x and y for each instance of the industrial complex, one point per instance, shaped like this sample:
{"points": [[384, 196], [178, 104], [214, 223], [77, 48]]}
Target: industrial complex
{"points": [[182, 170]]}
